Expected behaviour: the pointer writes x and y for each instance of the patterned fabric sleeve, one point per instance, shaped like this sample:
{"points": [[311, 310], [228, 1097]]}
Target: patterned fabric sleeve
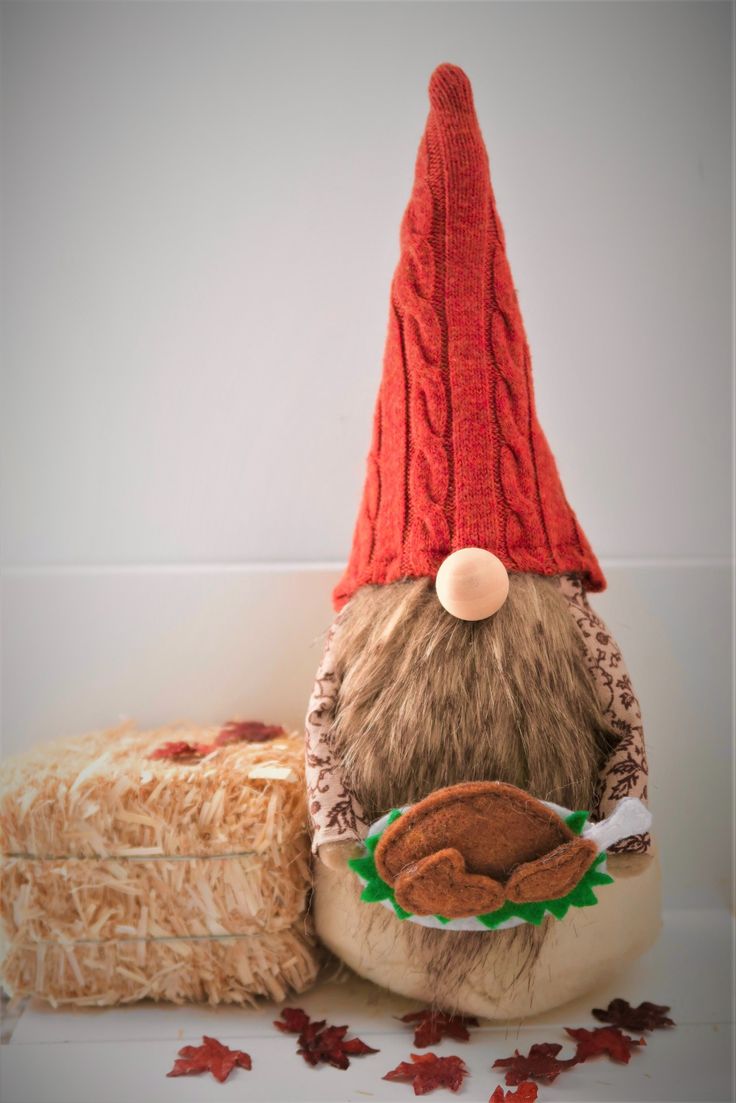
{"points": [[625, 773], [335, 813]]}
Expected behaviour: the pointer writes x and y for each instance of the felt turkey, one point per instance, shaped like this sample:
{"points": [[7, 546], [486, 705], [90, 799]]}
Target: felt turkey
{"points": [[476, 770]]}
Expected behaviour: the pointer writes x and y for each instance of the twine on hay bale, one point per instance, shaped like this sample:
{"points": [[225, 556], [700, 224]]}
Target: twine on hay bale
{"points": [[123, 877]]}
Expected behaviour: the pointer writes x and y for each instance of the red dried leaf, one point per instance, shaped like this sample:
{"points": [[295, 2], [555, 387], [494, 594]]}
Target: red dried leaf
{"points": [[433, 1026], [429, 1071], [212, 1056], [355, 1048], [248, 731], [541, 1063], [606, 1041], [308, 1040], [647, 1016], [319, 1043], [525, 1093], [180, 749], [292, 1021], [329, 1046]]}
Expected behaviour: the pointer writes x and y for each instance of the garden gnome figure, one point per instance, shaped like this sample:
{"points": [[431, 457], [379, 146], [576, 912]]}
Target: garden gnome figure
{"points": [[471, 707]]}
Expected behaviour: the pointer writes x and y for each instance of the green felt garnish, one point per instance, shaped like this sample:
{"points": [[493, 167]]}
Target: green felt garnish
{"points": [[576, 822], [376, 888], [582, 896]]}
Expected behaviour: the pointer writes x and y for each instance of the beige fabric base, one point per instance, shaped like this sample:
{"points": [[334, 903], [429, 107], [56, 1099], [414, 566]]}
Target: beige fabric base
{"points": [[585, 948]]}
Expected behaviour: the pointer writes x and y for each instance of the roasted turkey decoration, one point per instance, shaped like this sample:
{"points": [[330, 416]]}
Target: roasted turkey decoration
{"points": [[466, 849]]}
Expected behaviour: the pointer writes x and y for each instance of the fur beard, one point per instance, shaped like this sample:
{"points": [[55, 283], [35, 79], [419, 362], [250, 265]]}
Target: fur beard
{"points": [[427, 700], [495, 963]]}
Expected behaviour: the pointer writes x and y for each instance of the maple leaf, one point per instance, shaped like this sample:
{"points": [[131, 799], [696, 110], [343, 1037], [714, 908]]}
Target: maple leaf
{"points": [[292, 1021], [429, 1071], [433, 1026], [329, 1046], [212, 1056], [604, 1040], [320, 1043], [647, 1016], [247, 731], [525, 1093], [180, 749], [541, 1063]]}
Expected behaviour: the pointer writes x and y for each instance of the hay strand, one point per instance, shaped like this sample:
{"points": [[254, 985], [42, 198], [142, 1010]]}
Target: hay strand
{"points": [[123, 877]]}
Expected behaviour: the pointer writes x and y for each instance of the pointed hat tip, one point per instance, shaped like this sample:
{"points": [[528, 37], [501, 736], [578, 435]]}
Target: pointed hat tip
{"points": [[450, 89]]}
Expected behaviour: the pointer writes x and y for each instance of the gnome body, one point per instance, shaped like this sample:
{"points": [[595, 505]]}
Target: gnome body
{"points": [[499, 680]]}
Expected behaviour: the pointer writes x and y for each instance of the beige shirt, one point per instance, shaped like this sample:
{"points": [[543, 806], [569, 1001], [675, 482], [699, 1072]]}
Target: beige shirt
{"points": [[334, 810], [338, 817], [626, 772]]}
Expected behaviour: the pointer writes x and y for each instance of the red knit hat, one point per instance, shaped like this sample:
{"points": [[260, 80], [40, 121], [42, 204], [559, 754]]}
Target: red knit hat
{"points": [[458, 458]]}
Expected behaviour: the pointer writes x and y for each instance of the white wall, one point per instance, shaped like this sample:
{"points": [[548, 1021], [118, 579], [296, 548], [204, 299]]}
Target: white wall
{"points": [[202, 207], [200, 219]]}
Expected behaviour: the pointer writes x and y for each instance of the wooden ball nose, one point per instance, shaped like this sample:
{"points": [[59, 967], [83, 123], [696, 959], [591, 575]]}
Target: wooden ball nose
{"points": [[472, 584]]}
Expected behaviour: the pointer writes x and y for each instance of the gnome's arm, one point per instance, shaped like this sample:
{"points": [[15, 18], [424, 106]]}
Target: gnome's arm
{"points": [[625, 772], [336, 815]]}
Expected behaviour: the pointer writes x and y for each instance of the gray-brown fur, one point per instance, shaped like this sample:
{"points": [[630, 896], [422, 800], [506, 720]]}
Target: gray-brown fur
{"points": [[452, 956], [427, 700]]}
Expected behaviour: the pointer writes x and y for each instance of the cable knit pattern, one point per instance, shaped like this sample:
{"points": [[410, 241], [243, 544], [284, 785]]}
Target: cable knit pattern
{"points": [[519, 498], [626, 773], [364, 540], [414, 289], [458, 458]]}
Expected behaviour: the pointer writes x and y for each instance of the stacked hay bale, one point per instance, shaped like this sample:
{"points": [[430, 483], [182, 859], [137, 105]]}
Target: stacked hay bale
{"points": [[181, 877]]}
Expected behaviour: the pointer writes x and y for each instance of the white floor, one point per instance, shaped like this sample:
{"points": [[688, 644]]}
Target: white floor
{"points": [[121, 1055]]}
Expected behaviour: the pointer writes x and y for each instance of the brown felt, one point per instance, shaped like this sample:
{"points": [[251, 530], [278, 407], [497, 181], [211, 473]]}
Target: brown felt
{"points": [[553, 875], [440, 885], [494, 826]]}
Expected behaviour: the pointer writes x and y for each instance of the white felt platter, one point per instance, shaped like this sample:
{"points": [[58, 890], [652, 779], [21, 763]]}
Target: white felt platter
{"points": [[630, 818]]}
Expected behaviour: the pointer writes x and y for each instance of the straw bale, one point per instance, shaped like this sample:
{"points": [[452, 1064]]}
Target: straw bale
{"points": [[101, 795], [123, 876], [233, 969], [82, 898]]}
